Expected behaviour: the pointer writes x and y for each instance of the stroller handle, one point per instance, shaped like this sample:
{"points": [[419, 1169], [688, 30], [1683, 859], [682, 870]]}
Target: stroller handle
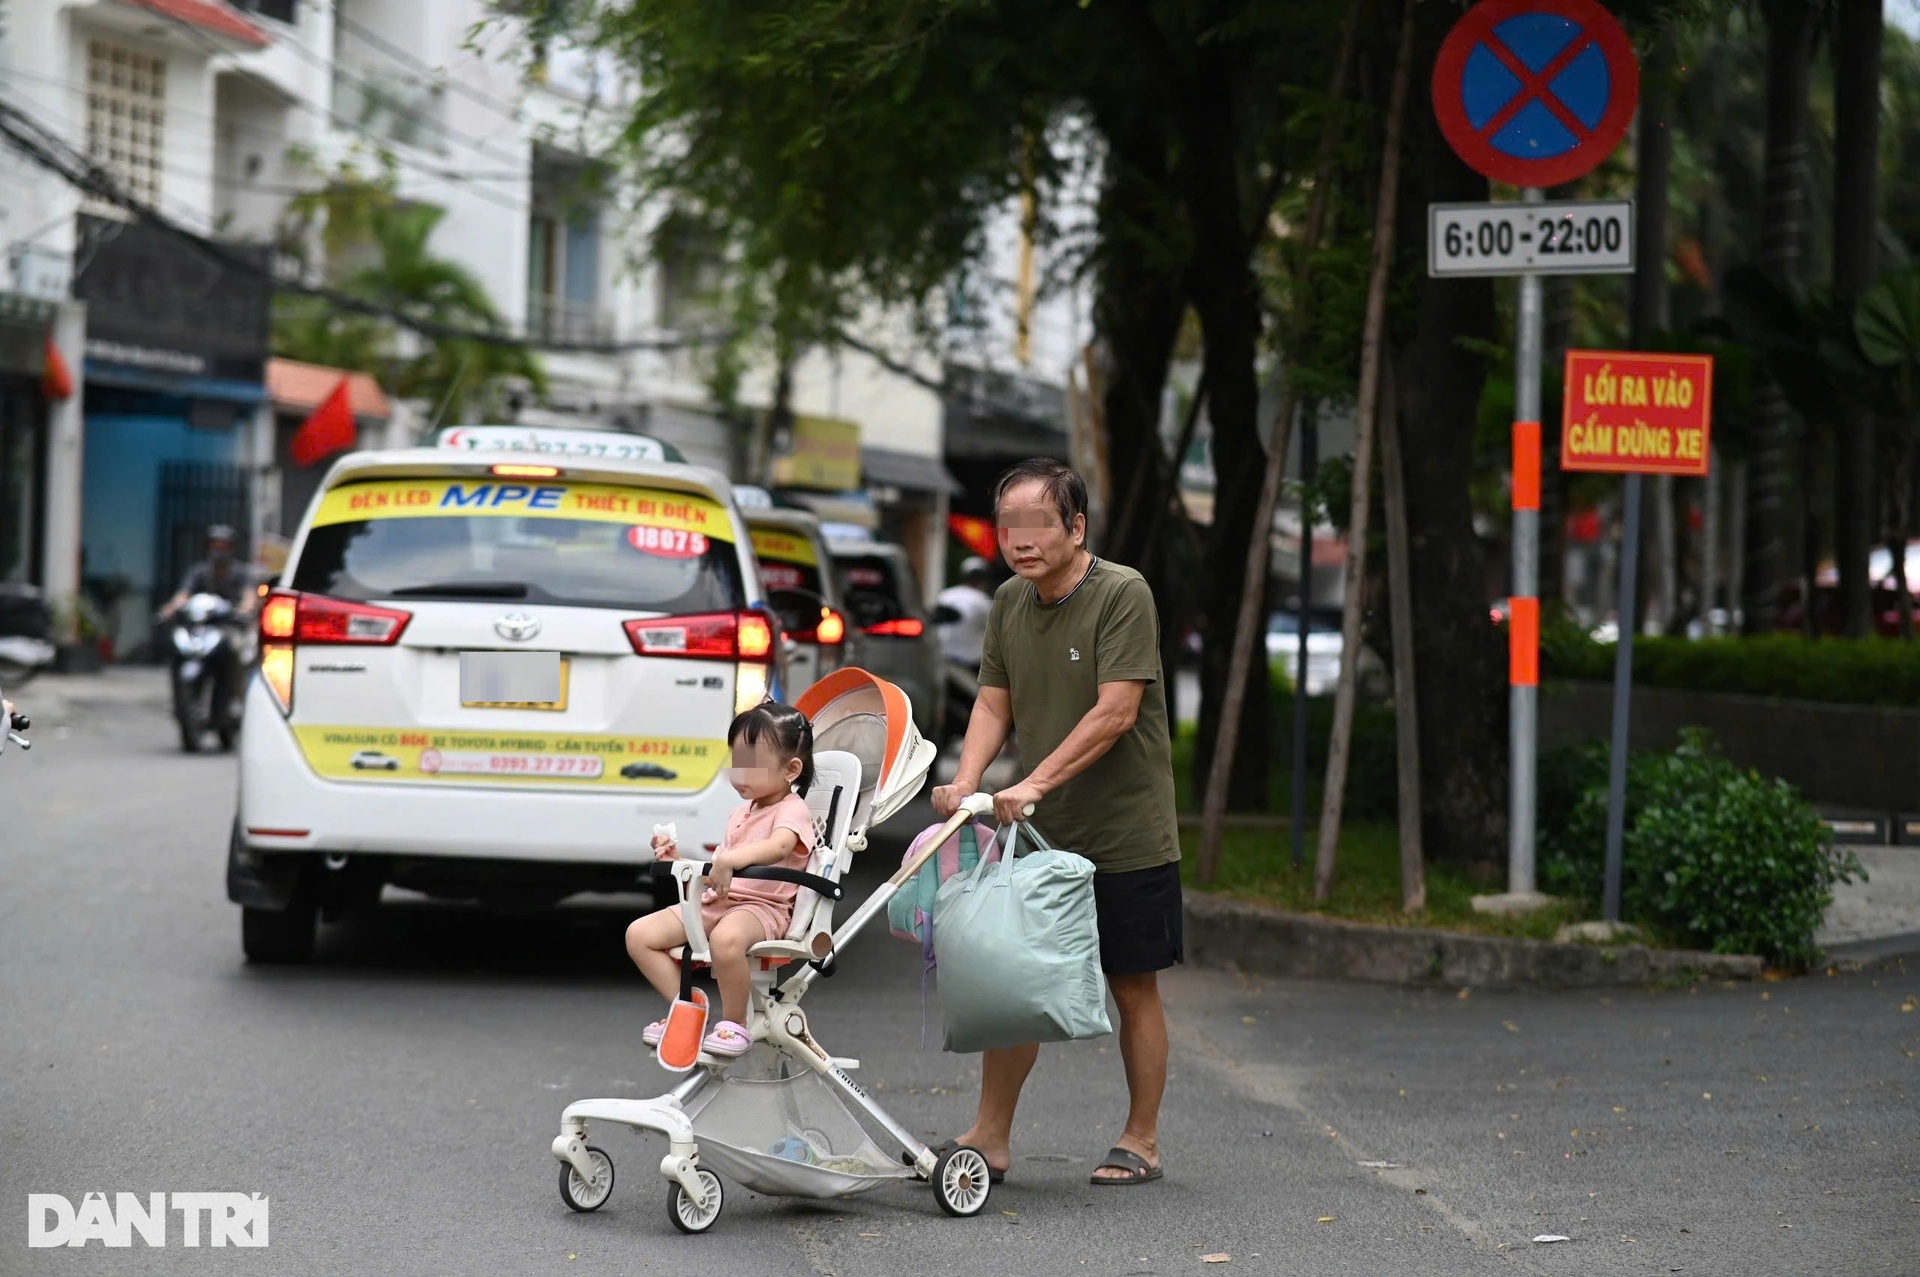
{"points": [[773, 873]]}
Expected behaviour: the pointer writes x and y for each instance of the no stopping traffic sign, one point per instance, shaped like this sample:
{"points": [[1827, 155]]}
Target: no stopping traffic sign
{"points": [[1535, 92]]}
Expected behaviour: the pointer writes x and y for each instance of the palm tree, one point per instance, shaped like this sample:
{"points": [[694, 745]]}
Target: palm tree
{"points": [[1856, 223], [1792, 26], [402, 274]]}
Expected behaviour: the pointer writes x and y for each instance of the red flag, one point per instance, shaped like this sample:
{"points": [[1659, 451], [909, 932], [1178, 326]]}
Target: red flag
{"points": [[975, 533], [56, 381], [329, 430]]}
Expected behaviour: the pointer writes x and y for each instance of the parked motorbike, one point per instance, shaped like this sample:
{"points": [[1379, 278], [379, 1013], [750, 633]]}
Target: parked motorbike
{"points": [[206, 668], [26, 633]]}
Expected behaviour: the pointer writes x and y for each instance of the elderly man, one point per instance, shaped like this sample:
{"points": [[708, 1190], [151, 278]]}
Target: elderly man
{"points": [[1072, 645]]}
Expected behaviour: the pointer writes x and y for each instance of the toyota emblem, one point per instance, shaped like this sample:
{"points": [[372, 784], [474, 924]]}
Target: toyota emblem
{"points": [[516, 627]]}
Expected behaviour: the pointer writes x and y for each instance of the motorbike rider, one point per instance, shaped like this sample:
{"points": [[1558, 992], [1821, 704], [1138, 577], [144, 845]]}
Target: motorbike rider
{"points": [[971, 600], [220, 573], [223, 575]]}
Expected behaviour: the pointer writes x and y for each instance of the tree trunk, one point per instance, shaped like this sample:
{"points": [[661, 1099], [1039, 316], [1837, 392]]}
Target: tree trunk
{"points": [[1247, 645], [1406, 683], [1439, 377], [1137, 310], [1225, 295], [1791, 29], [1366, 413], [1856, 223]]}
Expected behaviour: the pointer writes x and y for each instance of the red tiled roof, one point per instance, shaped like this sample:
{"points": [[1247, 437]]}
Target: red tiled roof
{"points": [[209, 15], [291, 384]]}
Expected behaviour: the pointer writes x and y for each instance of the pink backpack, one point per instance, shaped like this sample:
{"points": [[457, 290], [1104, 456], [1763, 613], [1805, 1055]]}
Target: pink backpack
{"points": [[910, 912]]}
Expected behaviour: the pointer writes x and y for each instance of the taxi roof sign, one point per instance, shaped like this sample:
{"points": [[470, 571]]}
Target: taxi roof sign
{"points": [[750, 497], [605, 444]]}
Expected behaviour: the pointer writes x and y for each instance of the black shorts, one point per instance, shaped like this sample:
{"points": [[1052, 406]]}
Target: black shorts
{"points": [[1140, 919]]}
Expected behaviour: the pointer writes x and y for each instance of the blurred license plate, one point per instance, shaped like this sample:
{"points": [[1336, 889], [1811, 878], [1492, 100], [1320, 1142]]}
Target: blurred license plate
{"points": [[513, 680]]}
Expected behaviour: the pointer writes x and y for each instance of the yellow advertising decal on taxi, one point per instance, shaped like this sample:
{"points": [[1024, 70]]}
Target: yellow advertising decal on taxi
{"points": [[788, 547], [416, 756], [650, 508]]}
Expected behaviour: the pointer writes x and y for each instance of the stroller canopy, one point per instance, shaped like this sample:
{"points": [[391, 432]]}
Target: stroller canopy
{"points": [[871, 719]]}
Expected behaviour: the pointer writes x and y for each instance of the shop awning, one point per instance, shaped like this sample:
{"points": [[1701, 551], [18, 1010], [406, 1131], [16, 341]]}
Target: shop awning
{"points": [[299, 387], [912, 470], [106, 372]]}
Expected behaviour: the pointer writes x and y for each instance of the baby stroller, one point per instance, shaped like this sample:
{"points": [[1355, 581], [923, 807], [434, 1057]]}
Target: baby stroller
{"points": [[785, 1119]]}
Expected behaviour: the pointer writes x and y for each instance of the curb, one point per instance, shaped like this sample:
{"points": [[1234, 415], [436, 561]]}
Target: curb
{"points": [[1266, 941], [1876, 949]]}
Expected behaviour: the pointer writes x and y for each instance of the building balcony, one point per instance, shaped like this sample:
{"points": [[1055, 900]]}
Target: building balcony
{"points": [[562, 321]]}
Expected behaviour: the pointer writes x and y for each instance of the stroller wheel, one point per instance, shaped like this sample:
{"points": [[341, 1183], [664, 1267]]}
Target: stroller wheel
{"points": [[961, 1181], [690, 1216], [579, 1193]]}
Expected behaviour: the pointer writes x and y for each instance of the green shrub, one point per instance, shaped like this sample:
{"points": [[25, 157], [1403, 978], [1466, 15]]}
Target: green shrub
{"points": [[1713, 856], [1839, 671]]}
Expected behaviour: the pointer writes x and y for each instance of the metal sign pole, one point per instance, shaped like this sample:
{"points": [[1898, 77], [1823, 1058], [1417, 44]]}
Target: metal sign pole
{"points": [[1622, 698], [1523, 616]]}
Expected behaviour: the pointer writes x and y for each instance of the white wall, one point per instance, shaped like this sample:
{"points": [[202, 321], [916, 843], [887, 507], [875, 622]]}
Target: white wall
{"points": [[893, 411]]}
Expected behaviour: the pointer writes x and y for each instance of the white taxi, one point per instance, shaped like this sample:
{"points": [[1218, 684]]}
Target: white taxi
{"points": [[489, 668], [794, 567]]}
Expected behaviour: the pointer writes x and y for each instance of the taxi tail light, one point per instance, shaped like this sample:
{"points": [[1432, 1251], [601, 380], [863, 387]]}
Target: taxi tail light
{"points": [[333, 621], [900, 627], [716, 636], [829, 631], [288, 619]]}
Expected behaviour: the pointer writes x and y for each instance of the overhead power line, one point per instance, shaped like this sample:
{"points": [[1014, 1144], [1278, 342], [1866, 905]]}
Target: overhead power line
{"points": [[47, 149]]}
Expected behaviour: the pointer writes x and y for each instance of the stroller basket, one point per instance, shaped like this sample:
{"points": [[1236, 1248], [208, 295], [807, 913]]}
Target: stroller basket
{"points": [[790, 1137]]}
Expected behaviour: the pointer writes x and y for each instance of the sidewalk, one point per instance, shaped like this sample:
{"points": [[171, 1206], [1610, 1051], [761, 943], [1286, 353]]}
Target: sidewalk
{"points": [[59, 700], [1879, 917]]}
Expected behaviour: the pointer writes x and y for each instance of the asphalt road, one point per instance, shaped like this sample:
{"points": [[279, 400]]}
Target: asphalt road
{"points": [[395, 1100]]}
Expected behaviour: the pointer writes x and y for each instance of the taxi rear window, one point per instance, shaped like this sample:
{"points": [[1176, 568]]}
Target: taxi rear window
{"points": [[790, 569], [554, 542], [873, 589]]}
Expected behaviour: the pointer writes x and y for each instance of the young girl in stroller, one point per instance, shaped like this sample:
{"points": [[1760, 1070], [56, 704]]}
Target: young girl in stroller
{"points": [[772, 769], [784, 1118]]}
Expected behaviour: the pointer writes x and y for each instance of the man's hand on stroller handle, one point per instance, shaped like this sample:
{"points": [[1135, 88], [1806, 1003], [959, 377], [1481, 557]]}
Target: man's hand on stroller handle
{"points": [[948, 800]]}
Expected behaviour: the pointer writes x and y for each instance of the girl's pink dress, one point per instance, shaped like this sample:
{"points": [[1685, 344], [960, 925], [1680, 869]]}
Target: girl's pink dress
{"points": [[770, 902]]}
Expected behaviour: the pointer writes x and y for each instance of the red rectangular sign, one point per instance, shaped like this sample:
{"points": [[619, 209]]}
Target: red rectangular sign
{"points": [[1635, 413]]}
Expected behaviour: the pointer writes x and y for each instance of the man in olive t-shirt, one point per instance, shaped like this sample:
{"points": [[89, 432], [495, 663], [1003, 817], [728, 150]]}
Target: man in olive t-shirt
{"points": [[1072, 649]]}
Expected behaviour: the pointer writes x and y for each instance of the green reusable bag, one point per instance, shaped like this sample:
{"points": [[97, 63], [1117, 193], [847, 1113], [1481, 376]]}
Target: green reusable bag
{"points": [[1020, 950]]}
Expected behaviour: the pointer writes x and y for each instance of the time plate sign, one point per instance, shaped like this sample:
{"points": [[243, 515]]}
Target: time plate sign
{"points": [[1586, 237]]}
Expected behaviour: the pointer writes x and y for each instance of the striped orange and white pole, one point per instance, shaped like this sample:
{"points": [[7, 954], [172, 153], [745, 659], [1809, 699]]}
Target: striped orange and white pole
{"points": [[1523, 625]]}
